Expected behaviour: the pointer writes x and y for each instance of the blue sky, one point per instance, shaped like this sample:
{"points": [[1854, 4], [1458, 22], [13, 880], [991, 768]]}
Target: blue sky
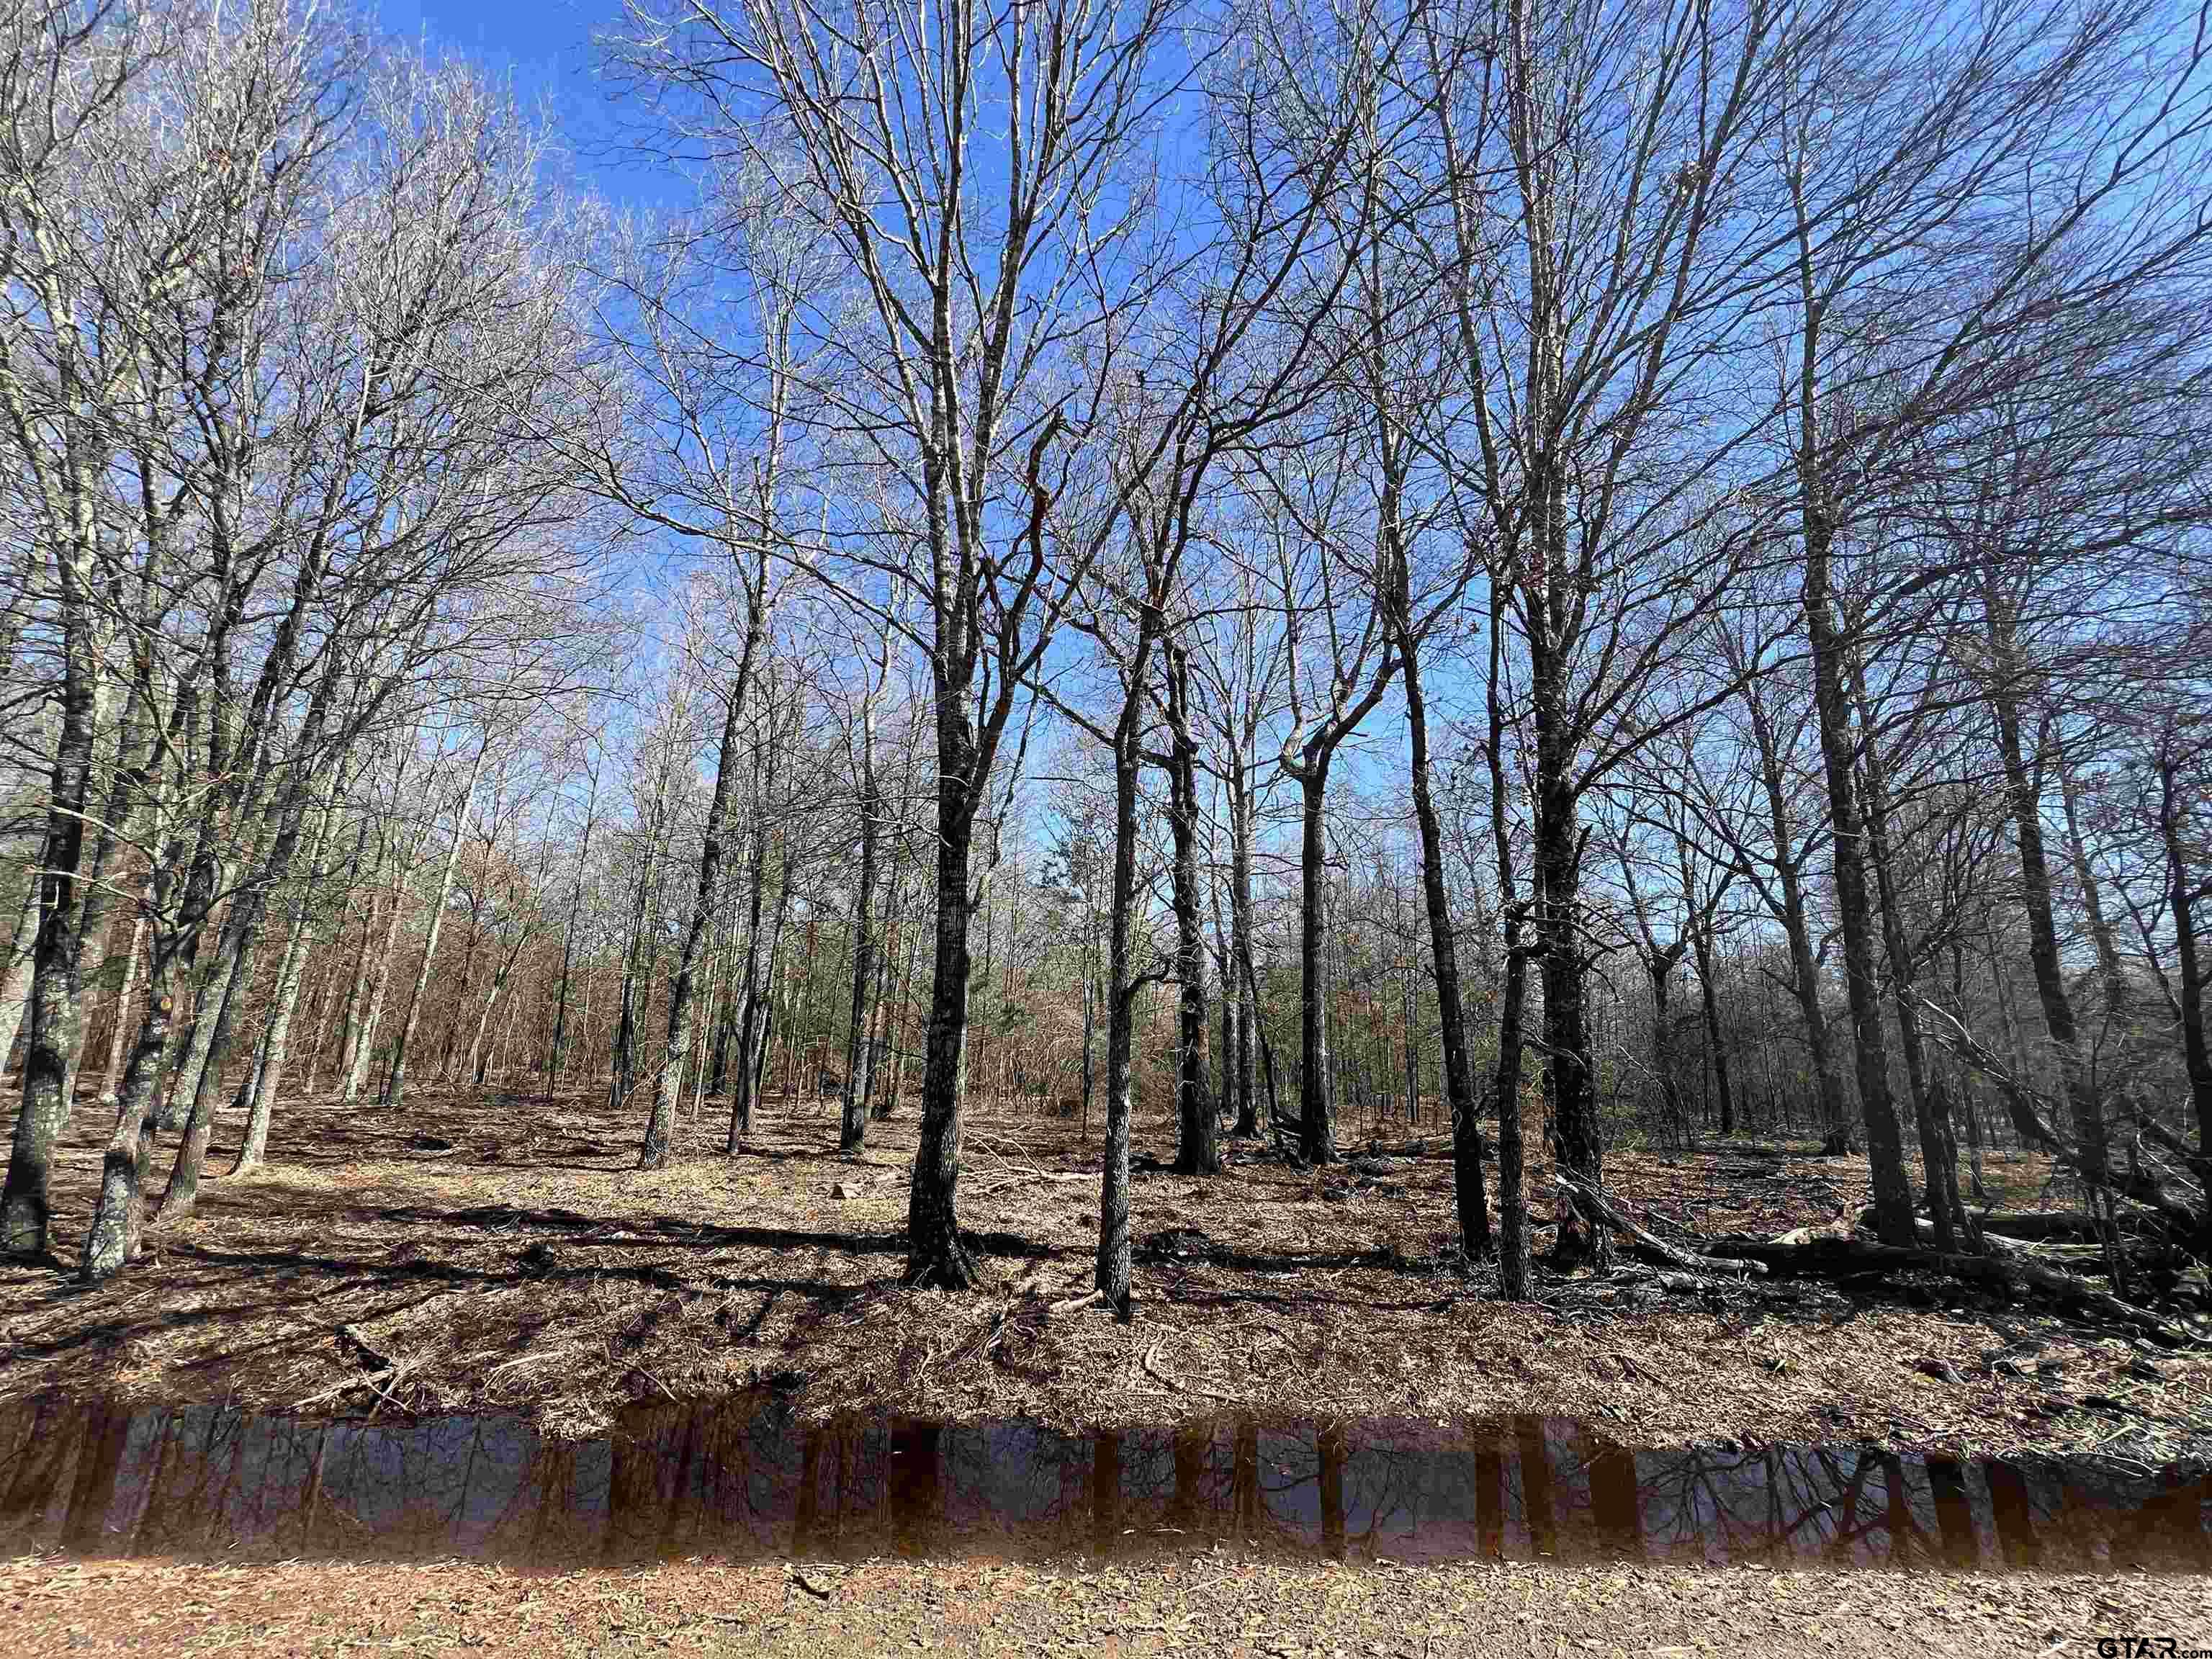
{"points": [[545, 47]]}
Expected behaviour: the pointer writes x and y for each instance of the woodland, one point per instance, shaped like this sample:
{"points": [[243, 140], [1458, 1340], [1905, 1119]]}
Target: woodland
{"points": [[1498, 704]]}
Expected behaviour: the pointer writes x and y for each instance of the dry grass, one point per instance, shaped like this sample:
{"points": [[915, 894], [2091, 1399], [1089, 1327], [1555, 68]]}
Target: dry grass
{"points": [[504, 1253], [1215, 1603]]}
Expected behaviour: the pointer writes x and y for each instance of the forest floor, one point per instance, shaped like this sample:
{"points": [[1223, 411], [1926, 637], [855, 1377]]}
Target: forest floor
{"points": [[1213, 1604], [501, 1252]]}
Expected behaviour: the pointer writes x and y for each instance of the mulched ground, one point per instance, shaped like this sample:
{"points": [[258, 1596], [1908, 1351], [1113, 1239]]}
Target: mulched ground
{"points": [[502, 1252], [1212, 1603]]}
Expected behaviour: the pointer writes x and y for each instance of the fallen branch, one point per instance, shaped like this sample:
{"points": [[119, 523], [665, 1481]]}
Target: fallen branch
{"points": [[374, 1357], [1647, 1244], [2007, 1271], [1075, 1304], [2026, 1109], [1152, 1370]]}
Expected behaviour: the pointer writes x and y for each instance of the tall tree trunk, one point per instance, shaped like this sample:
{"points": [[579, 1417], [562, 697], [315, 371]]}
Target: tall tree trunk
{"points": [[1893, 1191], [1939, 1150], [1471, 1202], [1112, 1272], [860, 1060], [1558, 851], [935, 1255], [668, 1082], [1317, 1129], [380, 982], [746, 1078], [2182, 896], [242, 934], [118, 1035], [395, 1081], [58, 946], [1198, 1143], [1797, 932], [1240, 943], [262, 1081], [2024, 796], [2108, 976], [643, 915], [1513, 1242], [890, 1100], [1701, 943], [353, 1016], [118, 1212], [555, 1052], [15, 974]]}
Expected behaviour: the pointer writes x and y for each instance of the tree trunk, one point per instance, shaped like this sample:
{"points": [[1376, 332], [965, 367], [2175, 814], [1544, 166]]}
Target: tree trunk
{"points": [[860, 1069], [1112, 1272], [745, 1076], [1804, 963], [935, 1255], [395, 1081], [117, 1213], [1513, 1244], [1558, 851], [236, 947], [1198, 1143], [1471, 1203], [2093, 904], [15, 977], [1316, 1130], [2182, 896], [2023, 795], [891, 1098], [1939, 1151], [111, 1073], [668, 1082], [555, 1052], [269, 1072], [1240, 943], [353, 1021], [1893, 1192], [1701, 942], [56, 952]]}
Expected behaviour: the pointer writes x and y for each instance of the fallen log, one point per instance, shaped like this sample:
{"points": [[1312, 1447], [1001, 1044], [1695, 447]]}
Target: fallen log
{"points": [[2026, 1227], [1642, 1244], [2007, 1271]]}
